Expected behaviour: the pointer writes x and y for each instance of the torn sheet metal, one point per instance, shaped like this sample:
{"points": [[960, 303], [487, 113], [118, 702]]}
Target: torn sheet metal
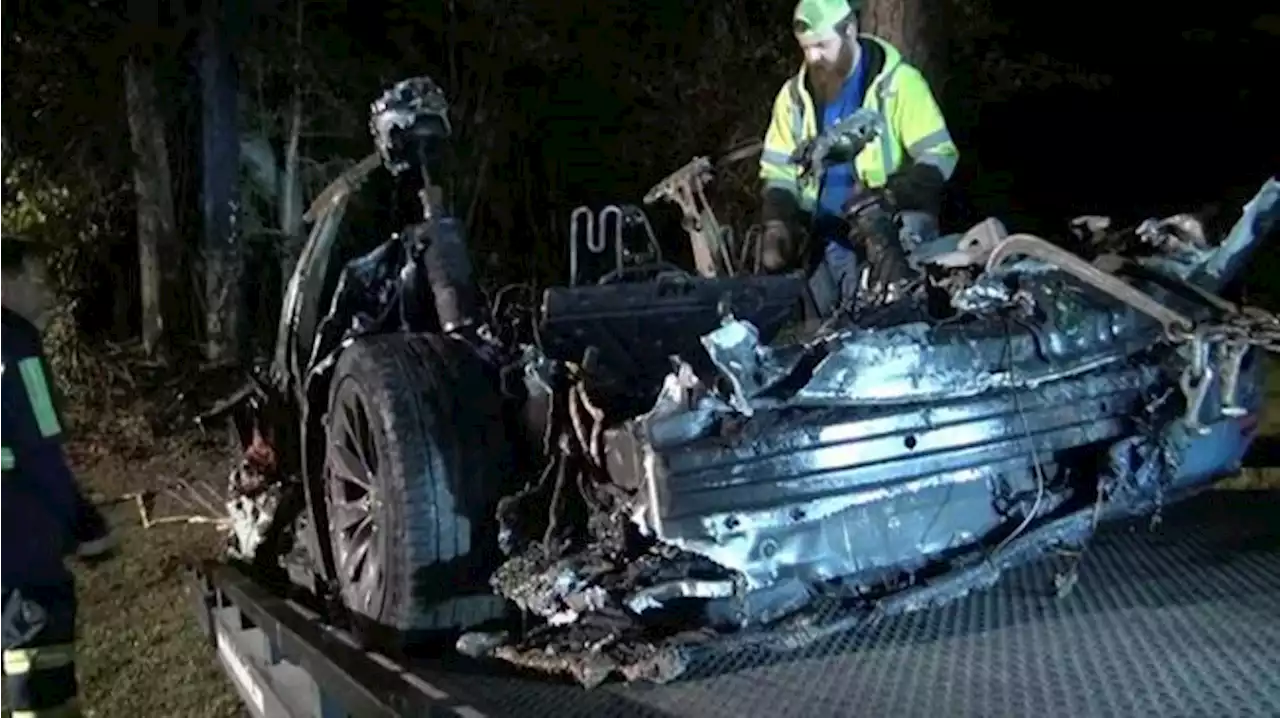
{"points": [[1088, 276], [1181, 236], [852, 492], [873, 450], [894, 464], [750, 368], [654, 597], [609, 607], [683, 392], [251, 516], [921, 362], [909, 364], [1261, 217], [967, 250]]}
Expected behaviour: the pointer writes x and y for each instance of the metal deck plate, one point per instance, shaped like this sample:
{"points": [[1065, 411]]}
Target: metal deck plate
{"points": [[1182, 620]]}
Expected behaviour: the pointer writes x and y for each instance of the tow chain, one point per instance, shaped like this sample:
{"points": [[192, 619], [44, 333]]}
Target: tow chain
{"points": [[1248, 326], [1219, 348]]}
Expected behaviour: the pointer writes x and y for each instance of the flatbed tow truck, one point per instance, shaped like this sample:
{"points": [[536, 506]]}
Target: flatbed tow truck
{"points": [[1182, 619], [764, 533]]}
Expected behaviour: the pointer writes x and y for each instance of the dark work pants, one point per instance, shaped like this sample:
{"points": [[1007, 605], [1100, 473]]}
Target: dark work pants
{"points": [[39, 653]]}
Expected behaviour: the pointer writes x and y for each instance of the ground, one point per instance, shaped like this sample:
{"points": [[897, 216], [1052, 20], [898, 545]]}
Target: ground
{"points": [[141, 653]]}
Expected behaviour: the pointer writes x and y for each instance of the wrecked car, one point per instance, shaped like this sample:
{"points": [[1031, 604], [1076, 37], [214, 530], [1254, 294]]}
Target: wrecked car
{"points": [[657, 459]]}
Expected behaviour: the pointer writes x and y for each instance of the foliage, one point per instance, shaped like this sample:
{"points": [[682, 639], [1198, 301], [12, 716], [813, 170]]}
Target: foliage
{"points": [[30, 205], [72, 218], [66, 187]]}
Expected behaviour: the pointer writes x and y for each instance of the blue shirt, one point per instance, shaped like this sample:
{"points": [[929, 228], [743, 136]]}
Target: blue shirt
{"points": [[839, 182]]}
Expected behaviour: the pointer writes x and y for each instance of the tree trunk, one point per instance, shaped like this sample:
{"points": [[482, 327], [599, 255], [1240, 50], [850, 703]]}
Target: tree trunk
{"points": [[159, 254], [221, 252], [915, 27], [291, 192]]}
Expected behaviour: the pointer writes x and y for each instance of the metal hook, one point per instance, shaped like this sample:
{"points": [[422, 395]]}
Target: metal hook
{"points": [[1195, 381], [1231, 364], [1196, 392], [574, 222], [614, 211]]}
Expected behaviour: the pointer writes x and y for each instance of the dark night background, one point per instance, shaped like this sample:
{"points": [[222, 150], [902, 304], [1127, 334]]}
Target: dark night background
{"points": [[1059, 110]]}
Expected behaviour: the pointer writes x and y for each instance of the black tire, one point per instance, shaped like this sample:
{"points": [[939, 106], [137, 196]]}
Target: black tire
{"points": [[439, 458]]}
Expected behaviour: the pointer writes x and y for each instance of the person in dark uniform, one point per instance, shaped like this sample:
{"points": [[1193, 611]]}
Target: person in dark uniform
{"points": [[24, 292], [45, 516]]}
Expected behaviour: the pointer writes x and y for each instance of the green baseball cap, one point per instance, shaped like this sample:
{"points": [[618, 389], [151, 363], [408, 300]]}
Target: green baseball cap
{"points": [[817, 19]]}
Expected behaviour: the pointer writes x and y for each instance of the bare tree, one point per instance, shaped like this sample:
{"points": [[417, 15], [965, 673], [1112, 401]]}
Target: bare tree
{"points": [[159, 253], [915, 28], [222, 250], [291, 199], [278, 177]]}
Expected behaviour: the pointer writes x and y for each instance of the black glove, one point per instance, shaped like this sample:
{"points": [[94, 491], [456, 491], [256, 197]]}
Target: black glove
{"points": [[777, 251], [916, 187], [873, 231], [780, 205], [781, 215]]}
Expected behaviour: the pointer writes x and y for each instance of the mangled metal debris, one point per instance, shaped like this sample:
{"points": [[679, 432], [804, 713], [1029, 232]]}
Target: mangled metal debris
{"points": [[718, 461], [894, 465]]}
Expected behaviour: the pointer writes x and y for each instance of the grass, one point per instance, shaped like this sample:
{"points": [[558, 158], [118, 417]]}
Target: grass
{"points": [[140, 652]]}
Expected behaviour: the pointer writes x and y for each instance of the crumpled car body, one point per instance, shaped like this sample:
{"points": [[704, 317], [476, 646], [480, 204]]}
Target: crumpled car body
{"points": [[899, 451], [719, 459]]}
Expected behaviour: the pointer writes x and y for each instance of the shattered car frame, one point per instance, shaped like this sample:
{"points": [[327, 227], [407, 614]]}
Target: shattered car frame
{"points": [[707, 455]]}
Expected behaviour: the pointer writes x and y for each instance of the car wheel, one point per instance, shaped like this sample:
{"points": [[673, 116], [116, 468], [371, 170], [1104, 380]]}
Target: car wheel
{"points": [[416, 459]]}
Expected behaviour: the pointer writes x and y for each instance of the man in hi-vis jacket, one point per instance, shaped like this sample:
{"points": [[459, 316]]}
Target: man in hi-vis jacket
{"points": [[908, 164]]}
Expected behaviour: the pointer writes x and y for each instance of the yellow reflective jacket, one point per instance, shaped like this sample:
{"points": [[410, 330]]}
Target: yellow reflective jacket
{"points": [[915, 127]]}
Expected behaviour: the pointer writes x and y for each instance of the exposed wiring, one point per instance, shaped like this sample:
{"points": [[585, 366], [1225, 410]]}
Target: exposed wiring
{"points": [[594, 444], [576, 410], [1037, 467]]}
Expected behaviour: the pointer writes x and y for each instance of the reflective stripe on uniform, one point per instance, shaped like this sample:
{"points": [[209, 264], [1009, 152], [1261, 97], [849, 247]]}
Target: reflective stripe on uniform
{"points": [[39, 658], [775, 157], [33, 377], [782, 184], [41, 681], [808, 199], [946, 164], [18, 661], [6, 458], [929, 142], [922, 152]]}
